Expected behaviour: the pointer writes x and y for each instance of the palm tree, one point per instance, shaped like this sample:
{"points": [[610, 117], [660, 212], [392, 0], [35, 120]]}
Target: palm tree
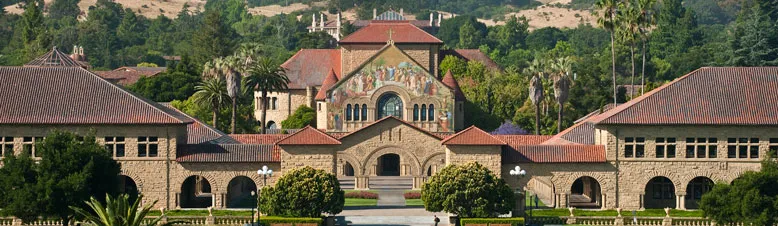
{"points": [[118, 212], [647, 19], [561, 75], [231, 67], [629, 21], [537, 70], [266, 76], [212, 92], [607, 21]]}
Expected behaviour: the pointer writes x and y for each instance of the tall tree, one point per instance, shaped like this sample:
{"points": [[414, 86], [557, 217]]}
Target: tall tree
{"points": [[18, 180], [537, 70], [629, 24], [647, 20], [32, 27], [512, 34], [751, 199], [607, 20], [64, 8], [562, 67], [469, 37], [753, 39], [214, 39], [231, 69], [130, 32], [212, 91], [266, 76]]}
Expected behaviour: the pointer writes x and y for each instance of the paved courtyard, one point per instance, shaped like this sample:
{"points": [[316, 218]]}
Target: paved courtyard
{"points": [[394, 216]]}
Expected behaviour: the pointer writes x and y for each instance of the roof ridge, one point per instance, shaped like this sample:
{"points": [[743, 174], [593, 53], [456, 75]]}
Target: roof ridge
{"points": [[308, 127], [387, 118], [478, 130]]}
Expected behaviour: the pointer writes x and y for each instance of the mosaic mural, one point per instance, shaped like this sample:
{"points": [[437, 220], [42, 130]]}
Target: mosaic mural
{"points": [[390, 68]]}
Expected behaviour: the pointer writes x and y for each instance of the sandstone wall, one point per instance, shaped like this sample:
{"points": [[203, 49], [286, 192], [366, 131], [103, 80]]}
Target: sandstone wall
{"points": [[286, 102], [489, 156]]}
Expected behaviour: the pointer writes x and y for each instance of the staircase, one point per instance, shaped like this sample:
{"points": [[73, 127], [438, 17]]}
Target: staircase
{"points": [[380, 182]]}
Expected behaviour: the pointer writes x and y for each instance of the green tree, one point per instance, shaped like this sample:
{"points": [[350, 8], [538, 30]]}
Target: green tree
{"points": [[751, 199], [647, 20], [629, 28], [512, 34], [166, 87], [753, 39], [457, 66], [469, 37], [303, 192], [18, 180], [607, 20], [130, 32], [212, 92], [32, 29], [214, 38], [303, 116], [64, 8], [544, 38], [469, 191], [561, 67], [537, 70], [266, 76], [118, 211]]}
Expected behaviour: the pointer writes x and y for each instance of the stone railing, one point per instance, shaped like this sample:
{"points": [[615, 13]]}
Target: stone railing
{"points": [[620, 220], [185, 221]]}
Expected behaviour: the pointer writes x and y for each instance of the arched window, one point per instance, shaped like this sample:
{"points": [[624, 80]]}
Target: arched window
{"points": [[275, 103], [356, 112], [415, 112], [348, 112], [423, 112], [431, 115], [390, 105], [364, 112]]}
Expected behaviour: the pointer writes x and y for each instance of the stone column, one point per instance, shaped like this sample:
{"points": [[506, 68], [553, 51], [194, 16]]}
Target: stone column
{"points": [[178, 200], [563, 201], [680, 202], [520, 205], [603, 201], [16, 221], [418, 181], [361, 182]]}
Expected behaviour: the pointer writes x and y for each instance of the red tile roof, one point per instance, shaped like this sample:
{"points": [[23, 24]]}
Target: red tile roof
{"points": [[452, 83], [470, 55], [199, 132], [72, 95], [309, 67], [124, 78], [707, 96], [331, 79], [582, 132], [377, 32], [258, 138], [554, 154], [472, 136], [516, 140], [148, 71], [228, 153], [308, 136], [388, 119], [55, 58]]}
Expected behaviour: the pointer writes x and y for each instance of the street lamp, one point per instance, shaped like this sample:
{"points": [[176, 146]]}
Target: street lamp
{"points": [[264, 172], [519, 173], [253, 193]]}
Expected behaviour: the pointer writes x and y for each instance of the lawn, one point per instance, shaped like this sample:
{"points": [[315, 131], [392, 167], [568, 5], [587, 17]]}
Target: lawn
{"points": [[612, 213], [361, 202], [414, 202]]}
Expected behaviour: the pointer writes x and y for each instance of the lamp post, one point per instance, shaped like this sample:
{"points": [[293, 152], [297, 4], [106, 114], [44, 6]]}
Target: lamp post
{"points": [[264, 172], [253, 193], [518, 173]]}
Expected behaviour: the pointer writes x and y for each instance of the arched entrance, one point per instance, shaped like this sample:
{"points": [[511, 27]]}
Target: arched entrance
{"points": [[660, 193], [239, 193], [586, 193], [348, 170], [196, 193], [271, 125], [389, 165], [390, 105], [694, 191], [128, 186]]}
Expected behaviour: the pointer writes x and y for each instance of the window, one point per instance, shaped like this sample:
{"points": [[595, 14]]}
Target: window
{"points": [[634, 147], [319, 107], [275, 103], [115, 146], [348, 112], [6, 146], [743, 148], [356, 112], [701, 147], [148, 146], [665, 147], [390, 105], [364, 112], [423, 112], [415, 112], [29, 145], [431, 115], [773, 153]]}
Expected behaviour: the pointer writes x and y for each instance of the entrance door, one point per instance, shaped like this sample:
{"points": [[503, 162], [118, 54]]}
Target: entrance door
{"points": [[389, 165]]}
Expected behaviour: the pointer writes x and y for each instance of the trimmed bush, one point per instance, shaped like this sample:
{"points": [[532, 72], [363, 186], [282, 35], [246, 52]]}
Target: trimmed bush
{"points": [[469, 191], [515, 221], [303, 192], [362, 195], [266, 221], [412, 195]]}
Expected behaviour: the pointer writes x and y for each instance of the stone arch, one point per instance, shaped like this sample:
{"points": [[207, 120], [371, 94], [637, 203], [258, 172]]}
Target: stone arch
{"points": [[688, 177], [564, 182], [239, 192], [135, 177], [645, 178], [129, 186], [176, 184], [224, 180], [695, 188], [430, 161], [348, 158], [586, 192], [400, 91], [405, 157], [191, 196], [660, 193]]}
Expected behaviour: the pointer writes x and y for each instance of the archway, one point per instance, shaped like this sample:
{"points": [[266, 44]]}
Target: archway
{"points": [[390, 105], [239, 193], [586, 193], [389, 165], [196, 193], [348, 170], [128, 186], [694, 191], [271, 125], [660, 193]]}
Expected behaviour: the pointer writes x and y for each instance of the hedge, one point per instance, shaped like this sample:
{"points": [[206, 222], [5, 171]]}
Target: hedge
{"points": [[361, 195], [412, 195], [515, 221], [267, 220]]}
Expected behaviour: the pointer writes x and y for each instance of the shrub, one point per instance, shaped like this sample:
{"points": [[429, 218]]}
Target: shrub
{"points": [[412, 195], [362, 195], [302, 117], [303, 192], [289, 220], [469, 190], [516, 221]]}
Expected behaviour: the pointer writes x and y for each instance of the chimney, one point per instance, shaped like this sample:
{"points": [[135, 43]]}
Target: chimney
{"points": [[321, 19], [337, 37], [313, 22], [431, 20], [440, 18], [375, 13]]}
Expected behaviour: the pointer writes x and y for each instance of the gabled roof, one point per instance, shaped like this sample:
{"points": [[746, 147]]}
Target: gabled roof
{"points": [[309, 67], [452, 83], [395, 119], [707, 96], [472, 136], [418, 23], [308, 136], [124, 78], [390, 15], [143, 70], [258, 138], [73, 95], [54, 58], [331, 79], [228, 153], [554, 154], [470, 55], [200, 132], [516, 140], [582, 132], [402, 32]]}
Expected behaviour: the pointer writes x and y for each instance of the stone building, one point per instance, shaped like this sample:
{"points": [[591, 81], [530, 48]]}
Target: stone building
{"points": [[662, 149]]}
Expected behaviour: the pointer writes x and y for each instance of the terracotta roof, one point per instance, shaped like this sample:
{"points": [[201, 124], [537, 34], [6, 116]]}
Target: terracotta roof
{"points": [[258, 138], [331, 79], [516, 140], [554, 154], [308, 136], [452, 83], [124, 78], [227, 153], [72, 95], [55, 58], [402, 32], [387, 119], [199, 132], [472, 136], [418, 23], [707, 96], [470, 55], [148, 71], [582, 132], [309, 67]]}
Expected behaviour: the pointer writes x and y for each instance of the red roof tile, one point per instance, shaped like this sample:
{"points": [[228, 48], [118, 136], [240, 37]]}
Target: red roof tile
{"points": [[331, 79], [124, 78], [516, 140], [308, 136], [472, 136], [470, 55], [72, 95], [386, 119], [258, 138], [309, 67], [228, 153], [199, 132], [582, 132], [707, 96], [147, 71], [554, 154], [377, 32], [452, 83]]}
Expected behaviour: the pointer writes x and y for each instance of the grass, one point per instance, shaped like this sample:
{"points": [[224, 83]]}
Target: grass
{"points": [[361, 202], [172, 213], [414, 202], [612, 213], [530, 201]]}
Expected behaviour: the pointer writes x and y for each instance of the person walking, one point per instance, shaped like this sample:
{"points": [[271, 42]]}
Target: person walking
{"points": [[437, 220]]}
